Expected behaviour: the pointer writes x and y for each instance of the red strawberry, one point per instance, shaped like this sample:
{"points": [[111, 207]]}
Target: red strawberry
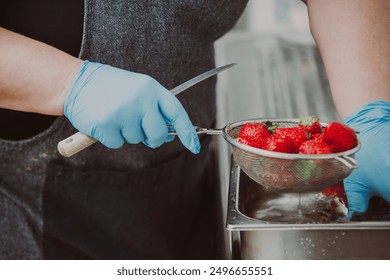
{"points": [[336, 191], [340, 137], [282, 144], [297, 134], [315, 147], [253, 134], [318, 137], [310, 124]]}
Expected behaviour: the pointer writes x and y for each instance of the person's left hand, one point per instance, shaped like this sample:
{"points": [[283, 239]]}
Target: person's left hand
{"points": [[372, 177]]}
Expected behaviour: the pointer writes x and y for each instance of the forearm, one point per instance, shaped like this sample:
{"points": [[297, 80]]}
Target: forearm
{"points": [[34, 77], [353, 38]]}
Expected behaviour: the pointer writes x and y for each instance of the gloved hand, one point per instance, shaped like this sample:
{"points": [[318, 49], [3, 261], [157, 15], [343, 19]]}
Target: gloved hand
{"points": [[372, 177], [115, 106]]}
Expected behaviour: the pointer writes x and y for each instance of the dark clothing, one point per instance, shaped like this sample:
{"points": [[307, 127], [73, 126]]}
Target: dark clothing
{"points": [[133, 202]]}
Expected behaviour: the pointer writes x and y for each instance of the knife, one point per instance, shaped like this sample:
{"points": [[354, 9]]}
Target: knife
{"points": [[79, 141]]}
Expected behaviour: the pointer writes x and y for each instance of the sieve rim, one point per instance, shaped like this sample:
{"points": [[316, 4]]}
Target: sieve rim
{"points": [[271, 154]]}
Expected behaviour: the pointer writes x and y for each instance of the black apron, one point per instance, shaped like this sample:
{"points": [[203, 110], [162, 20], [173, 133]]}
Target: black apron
{"points": [[133, 202]]}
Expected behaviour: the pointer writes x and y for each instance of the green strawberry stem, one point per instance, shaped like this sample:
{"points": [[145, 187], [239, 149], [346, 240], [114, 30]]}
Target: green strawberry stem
{"points": [[308, 120], [271, 126]]}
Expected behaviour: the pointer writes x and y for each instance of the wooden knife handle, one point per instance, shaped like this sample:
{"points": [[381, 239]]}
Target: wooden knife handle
{"points": [[74, 144]]}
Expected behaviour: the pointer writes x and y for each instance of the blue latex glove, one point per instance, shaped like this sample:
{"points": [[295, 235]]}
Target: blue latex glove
{"points": [[372, 178], [115, 106]]}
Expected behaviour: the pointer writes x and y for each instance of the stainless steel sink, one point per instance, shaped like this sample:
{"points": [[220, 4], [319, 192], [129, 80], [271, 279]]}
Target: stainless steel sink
{"points": [[287, 226]]}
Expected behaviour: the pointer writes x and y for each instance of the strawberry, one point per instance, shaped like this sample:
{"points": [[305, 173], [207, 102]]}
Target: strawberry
{"points": [[310, 124], [318, 137], [315, 147], [340, 136], [253, 134], [336, 190], [297, 134], [282, 144]]}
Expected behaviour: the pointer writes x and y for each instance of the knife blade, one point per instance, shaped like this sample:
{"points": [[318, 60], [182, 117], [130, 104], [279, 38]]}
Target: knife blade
{"points": [[79, 141]]}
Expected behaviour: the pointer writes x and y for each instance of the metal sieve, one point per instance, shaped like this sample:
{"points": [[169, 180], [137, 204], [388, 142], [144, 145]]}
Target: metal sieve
{"points": [[284, 171]]}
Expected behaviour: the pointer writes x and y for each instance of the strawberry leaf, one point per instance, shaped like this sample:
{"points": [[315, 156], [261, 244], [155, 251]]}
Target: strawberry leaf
{"points": [[271, 126]]}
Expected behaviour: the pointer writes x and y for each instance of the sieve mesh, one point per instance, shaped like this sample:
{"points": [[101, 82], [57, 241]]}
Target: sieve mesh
{"points": [[289, 172]]}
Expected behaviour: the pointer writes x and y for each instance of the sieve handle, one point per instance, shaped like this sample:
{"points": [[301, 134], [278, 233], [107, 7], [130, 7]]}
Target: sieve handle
{"points": [[199, 130], [348, 161]]}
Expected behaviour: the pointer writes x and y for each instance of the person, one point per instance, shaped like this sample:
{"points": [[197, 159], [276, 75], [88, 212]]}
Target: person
{"points": [[149, 198], [353, 41], [112, 200]]}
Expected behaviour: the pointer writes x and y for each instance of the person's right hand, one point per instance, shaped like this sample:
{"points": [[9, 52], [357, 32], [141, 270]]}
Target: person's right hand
{"points": [[372, 177], [115, 106]]}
